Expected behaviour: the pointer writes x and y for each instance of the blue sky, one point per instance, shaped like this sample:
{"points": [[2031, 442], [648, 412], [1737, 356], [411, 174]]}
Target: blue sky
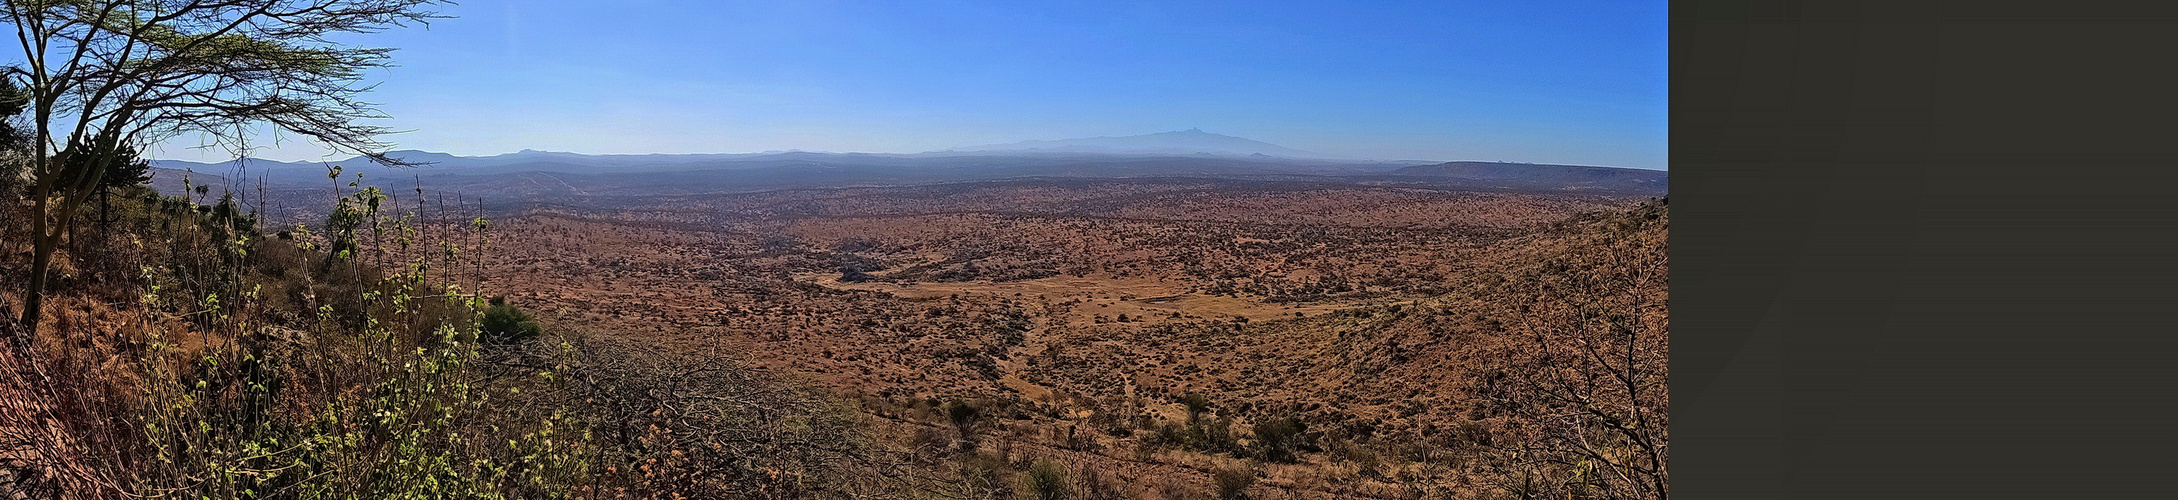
{"points": [[1546, 82]]}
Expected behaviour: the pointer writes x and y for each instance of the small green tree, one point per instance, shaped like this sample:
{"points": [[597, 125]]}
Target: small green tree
{"points": [[506, 324]]}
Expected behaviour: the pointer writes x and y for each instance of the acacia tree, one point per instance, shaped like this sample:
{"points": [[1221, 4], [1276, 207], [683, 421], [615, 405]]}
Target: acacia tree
{"points": [[108, 76]]}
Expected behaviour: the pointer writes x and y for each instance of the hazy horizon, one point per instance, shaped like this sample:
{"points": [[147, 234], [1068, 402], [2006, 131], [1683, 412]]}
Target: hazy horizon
{"points": [[1580, 83], [964, 152]]}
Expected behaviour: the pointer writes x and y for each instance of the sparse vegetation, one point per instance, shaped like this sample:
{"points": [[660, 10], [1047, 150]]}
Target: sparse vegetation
{"points": [[1372, 356], [231, 365]]}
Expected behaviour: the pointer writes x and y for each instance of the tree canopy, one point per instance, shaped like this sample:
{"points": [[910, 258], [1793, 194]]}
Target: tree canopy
{"points": [[106, 78]]}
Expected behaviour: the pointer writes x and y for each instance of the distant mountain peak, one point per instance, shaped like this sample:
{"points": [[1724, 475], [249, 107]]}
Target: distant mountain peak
{"points": [[1190, 131]]}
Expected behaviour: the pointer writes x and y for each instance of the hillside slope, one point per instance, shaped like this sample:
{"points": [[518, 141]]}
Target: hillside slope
{"points": [[1473, 381]]}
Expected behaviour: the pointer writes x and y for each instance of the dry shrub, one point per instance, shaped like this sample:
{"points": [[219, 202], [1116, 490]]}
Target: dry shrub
{"points": [[1232, 482], [1584, 397], [698, 426]]}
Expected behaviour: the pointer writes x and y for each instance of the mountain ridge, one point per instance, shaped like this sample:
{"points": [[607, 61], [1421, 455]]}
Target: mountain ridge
{"points": [[1190, 141], [1540, 174], [724, 172]]}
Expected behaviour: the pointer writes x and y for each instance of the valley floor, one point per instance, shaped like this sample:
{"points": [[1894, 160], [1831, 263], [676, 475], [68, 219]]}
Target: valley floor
{"points": [[1082, 333]]}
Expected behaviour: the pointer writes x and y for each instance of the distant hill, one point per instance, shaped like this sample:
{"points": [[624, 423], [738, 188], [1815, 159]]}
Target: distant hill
{"points": [[1190, 141], [541, 176], [167, 180], [739, 171], [1531, 175]]}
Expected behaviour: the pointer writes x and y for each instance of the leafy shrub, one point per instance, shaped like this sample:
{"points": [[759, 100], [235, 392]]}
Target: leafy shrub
{"points": [[237, 372], [1277, 439], [505, 324], [1046, 480]]}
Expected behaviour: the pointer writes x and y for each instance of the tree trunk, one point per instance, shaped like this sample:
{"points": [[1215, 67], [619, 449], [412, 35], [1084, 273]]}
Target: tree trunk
{"points": [[47, 239], [41, 258]]}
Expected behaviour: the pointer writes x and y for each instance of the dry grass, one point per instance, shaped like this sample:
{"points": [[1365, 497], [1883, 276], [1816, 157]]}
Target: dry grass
{"points": [[1386, 367]]}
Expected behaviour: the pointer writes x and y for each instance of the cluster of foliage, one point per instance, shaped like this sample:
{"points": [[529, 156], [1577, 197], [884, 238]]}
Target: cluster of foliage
{"points": [[243, 367], [103, 77], [1281, 439], [506, 324], [195, 357], [1047, 480]]}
